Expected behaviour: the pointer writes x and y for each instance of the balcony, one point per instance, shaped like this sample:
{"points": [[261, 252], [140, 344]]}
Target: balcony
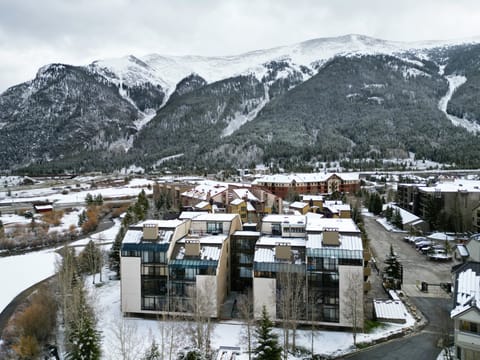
{"points": [[470, 339]]}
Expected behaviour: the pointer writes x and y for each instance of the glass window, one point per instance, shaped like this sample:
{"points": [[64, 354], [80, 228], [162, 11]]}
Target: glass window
{"points": [[245, 272], [214, 227]]}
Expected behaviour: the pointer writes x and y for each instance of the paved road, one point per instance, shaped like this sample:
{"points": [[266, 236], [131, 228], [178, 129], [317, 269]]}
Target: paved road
{"points": [[434, 305], [423, 345]]}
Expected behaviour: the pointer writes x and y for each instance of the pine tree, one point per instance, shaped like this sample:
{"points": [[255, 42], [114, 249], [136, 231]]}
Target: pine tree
{"points": [[84, 340], [268, 347], [393, 271], [152, 353]]}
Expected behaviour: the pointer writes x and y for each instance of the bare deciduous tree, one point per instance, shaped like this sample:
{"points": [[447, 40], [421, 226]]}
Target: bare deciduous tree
{"points": [[291, 303], [200, 307], [245, 309], [353, 310], [126, 342]]}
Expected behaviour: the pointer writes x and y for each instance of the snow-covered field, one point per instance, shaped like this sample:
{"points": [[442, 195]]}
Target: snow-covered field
{"points": [[56, 196], [19, 272]]}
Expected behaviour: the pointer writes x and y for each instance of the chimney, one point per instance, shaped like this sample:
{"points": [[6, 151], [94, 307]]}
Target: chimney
{"points": [[331, 237], [283, 251], [192, 248], [150, 231]]}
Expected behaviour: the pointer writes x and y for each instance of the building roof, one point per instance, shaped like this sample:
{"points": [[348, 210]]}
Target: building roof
{"points": [[250, 207], [206, 188], [467, 288], [133, 237], [462, 250], [316, 223], [298, 205], [190, 214], [215, 217], [202, 205], [407, 217], [242, 193], [236, 202], [247, 233], [304, 178], [161, 224], [390, 310], [458, 185], [306, 197], [273, 240], [286, 219], [440, 236], [347, 242]]}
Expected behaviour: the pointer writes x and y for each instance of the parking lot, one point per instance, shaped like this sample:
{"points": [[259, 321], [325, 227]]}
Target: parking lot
{"points": [[416, 267]]}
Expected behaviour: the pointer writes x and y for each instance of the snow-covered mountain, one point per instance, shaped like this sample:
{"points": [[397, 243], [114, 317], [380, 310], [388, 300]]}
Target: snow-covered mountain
{"points": [[168, 71], [246, 108]]}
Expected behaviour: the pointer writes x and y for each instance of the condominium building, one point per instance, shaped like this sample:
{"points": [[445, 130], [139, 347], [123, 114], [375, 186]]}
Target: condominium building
{"points": [[167, 265]]}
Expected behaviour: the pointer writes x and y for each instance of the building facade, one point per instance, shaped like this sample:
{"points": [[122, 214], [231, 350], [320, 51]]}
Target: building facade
{"points": [[466, 311], [313, 183]]}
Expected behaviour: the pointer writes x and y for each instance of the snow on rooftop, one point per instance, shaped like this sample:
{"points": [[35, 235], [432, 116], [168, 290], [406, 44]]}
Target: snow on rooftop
{"points": [[185, 215], [311, 197], [202, 204], [347, 242], [407, 217], [215, 217], [273, 240], [304, 178], [298, 205], [462, 250], [454, 186], [467, 292], [286, 219], [264, 255], [236, 202], [133, 237], [205, 239], [205, 189], [162, 224], [440, 236], [250, 207], [390, 310], [316, 224], [242, 193]]}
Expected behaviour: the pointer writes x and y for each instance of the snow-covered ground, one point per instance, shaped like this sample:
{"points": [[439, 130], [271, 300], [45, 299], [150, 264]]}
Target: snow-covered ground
{"points": [[55, 195], [22, 271], [107, 304]]}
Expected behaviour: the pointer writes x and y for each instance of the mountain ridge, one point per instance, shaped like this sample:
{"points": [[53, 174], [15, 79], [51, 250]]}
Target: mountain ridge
{"points": [[228, 99]]}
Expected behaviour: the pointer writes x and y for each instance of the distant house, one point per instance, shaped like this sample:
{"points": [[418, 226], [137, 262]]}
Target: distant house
{"points": [[336, 209], [42, 208], [301, 207]]}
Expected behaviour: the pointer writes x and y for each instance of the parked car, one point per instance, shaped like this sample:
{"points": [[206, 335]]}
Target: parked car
{"points": [[421, 243], [439, 255]]}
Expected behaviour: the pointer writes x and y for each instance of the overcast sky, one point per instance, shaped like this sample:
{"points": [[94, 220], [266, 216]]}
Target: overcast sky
{"points": [[37, 32]]}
